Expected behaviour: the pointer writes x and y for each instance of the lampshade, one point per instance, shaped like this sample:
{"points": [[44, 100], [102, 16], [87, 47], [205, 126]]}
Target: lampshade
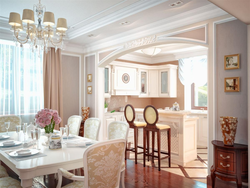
{"points": [[14, 19], [49, 18], [61, 24], [28, 16], [18, 28], [151, 51]]}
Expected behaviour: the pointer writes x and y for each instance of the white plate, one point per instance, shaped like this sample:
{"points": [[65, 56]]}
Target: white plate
{"points": [[15, 143], [2, 137], [70, 136], [25, 153]]}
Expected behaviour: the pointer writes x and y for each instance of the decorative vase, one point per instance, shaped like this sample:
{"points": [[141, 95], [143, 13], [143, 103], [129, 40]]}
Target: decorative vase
{"points": [[228, 128], [105, 110], [46, 142]]}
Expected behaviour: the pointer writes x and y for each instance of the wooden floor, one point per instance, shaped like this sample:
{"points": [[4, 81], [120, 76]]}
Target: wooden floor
{"points": [[136, 176]]}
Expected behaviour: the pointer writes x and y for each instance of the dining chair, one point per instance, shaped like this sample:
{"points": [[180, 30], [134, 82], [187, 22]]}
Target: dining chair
{"points": [[14, 120], [102, 165], [6, 181], [150, 115], [119, 130], [129, 114], [75, 124], [91, 128]]}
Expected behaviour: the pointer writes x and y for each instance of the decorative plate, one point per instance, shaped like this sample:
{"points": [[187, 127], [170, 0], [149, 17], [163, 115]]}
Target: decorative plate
{"points": [[125, 78]]}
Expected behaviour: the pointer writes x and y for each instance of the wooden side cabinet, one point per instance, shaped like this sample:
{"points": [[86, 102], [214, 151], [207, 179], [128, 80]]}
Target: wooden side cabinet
{"points": [[230, 163]]}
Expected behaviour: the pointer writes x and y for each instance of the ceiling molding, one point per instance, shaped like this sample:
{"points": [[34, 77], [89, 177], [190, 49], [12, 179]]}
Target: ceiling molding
{"points": [[136, 58], [191, 17], [116, 16]]}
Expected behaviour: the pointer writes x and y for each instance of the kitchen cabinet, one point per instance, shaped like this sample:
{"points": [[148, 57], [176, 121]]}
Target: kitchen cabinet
{"points": [[107, 83], [143, 83], [153, 83], [168, 82]]}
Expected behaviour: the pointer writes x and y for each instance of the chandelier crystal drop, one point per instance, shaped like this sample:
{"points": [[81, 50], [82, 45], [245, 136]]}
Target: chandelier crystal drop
{"points": [[42, 35]]}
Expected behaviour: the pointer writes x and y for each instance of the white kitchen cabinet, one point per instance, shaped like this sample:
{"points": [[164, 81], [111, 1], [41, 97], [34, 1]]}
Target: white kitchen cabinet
{"points": [[153, 83], [107, 82], [143, 83], [168, 82]]}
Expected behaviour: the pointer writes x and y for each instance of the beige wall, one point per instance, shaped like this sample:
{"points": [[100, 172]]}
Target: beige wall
{"points": [[198, 34], [70, 82], [232, 39]]}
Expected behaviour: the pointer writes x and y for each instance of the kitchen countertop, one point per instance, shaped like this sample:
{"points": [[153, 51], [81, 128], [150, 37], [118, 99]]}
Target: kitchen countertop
{"points": [[181, 112], [114, 113]]}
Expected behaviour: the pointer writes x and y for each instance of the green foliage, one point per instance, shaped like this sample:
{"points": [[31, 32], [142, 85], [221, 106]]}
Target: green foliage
{"points": [[105, 104]]}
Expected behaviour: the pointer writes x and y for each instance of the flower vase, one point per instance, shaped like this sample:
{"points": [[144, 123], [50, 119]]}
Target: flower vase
{"points": [[228, 128], [46, 142]]}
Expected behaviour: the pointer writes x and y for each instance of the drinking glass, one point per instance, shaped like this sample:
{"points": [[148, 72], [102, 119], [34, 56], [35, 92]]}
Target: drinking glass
{"points": [[33, 136], [24, 130], [38, 134], [62, 130], [7, 126], [18, 129], [67, 132]]}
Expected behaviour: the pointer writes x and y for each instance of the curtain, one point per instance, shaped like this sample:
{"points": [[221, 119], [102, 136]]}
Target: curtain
{"points": [[21, 81], [193, 70], [52, 80]]}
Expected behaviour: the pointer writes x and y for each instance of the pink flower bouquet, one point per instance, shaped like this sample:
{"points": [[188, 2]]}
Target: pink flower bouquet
{"points": [[47, 119]]}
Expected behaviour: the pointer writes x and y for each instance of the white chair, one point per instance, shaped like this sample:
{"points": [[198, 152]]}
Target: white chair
{"points": [[6, 181], [97, 170], [119, 130], [91, 128], [14, 120], [75, 124]]}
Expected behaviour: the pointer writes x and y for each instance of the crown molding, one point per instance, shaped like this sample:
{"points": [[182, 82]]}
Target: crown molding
{"points": [[111, 18], [191, 17]]}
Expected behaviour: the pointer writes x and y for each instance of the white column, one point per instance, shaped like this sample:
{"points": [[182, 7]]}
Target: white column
{"points": [[248, 81]]}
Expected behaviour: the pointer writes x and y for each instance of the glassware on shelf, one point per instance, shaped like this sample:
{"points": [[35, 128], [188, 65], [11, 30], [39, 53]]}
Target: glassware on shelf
{"points": [[7, 126]]}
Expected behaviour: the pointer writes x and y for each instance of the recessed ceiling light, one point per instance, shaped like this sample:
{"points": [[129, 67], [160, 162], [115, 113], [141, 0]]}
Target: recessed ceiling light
{"points": [[175, 4], [124, 23], [91, 35]]}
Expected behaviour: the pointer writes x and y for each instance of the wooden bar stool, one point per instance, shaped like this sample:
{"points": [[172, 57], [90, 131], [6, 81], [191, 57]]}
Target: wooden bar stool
{"points": [[129, 114], [150, 115]]}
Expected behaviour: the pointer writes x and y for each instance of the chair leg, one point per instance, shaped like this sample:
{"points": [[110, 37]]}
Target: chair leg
{"points": [[144, 146], [122, 181], [153, 146], [126, 151], [169, 147], [135, 143], [148, 144], [159, 149]]}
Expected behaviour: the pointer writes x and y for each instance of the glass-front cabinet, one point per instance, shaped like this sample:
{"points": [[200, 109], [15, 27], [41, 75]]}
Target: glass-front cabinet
{"points": [[168, 82], [107, 82], [164, 82], [143, 83]]}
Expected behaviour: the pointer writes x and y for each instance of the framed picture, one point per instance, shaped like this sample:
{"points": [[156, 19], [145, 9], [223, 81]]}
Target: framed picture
{"points": [[89, 77], [232, 84], [89, 89], [232, 61]]}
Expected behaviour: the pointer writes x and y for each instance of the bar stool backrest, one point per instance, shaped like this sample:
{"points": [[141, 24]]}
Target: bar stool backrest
{"points": [[150, 115], [129, 113]]}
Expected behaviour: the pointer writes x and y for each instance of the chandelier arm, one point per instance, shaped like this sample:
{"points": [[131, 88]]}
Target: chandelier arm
{"points": [[22, 41], [56, 43]]}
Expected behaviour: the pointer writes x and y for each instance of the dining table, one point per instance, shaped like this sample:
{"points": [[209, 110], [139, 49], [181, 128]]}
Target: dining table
{"points": [[48, 162]]}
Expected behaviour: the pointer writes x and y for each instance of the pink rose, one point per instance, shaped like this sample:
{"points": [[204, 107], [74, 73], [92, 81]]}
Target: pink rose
{"points": [[42, 125], [40, 120], [56, 118], [47, 121], [36, 116], [59, 119], [48, 115]]}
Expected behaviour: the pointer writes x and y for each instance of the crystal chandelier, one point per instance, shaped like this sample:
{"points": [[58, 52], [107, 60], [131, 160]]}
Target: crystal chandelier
{"points": [[39, 36]]}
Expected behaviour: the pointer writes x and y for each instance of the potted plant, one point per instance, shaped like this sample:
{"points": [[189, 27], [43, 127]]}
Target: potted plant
{"points": [[105, 106]]}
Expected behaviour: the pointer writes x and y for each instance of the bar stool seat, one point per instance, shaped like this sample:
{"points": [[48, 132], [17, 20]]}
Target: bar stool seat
{"points": [[129, 114], [162, 126]]}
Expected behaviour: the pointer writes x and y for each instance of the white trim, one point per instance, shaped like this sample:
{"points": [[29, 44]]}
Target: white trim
{"points": [[96, 83], [80, 76], [248, 91]]}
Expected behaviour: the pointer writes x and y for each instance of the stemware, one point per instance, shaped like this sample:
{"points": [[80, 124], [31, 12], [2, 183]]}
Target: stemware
{"points": [[67, 131], [33, 136], [24, 130], [7, 126], [62, 131], [18, 129], [38, 134]]}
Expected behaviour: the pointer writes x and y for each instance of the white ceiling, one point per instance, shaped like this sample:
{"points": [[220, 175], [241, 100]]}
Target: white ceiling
{"points": [[101, 18]]}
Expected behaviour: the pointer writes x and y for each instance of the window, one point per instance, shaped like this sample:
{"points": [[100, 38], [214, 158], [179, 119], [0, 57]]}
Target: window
{"points": [[21, 80], [199, 97]]}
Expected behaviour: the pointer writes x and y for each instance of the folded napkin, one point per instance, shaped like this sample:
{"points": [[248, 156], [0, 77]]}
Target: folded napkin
{"points": [[28, 143], [23, 152], [4, 136], [9, 143], [80, 143]]}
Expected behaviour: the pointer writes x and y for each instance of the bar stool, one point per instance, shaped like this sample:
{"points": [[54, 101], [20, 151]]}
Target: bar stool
{"points": [[129, 114], [150, 115]]}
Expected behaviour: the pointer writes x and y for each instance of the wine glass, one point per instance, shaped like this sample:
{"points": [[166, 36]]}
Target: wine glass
{"points": [[7, 126], [33, 136], [62, 131], [24, 130], [18, 129], [38, 134], [67, 132]]}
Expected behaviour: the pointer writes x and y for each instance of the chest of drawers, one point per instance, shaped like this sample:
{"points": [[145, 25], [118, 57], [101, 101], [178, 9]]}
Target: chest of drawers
{"points": [[230, 163]]}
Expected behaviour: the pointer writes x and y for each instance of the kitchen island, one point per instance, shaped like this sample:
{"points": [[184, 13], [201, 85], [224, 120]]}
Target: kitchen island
{"points": [[183, 134]]}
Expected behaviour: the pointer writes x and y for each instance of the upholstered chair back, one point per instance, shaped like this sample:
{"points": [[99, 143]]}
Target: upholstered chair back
{"points": [[129, 113], [118, 130], [75, 124], [150, 115], [14, 120], [102, 164], [91, 128]]}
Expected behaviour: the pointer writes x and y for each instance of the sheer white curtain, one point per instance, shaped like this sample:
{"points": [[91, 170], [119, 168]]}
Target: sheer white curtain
{"points": [[192, 70], [21, 81]]}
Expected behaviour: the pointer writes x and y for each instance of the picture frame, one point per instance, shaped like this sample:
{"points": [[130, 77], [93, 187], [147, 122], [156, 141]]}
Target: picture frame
{"points": [[89, 89], [89, 77], [232, 84], [232, 61]]}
